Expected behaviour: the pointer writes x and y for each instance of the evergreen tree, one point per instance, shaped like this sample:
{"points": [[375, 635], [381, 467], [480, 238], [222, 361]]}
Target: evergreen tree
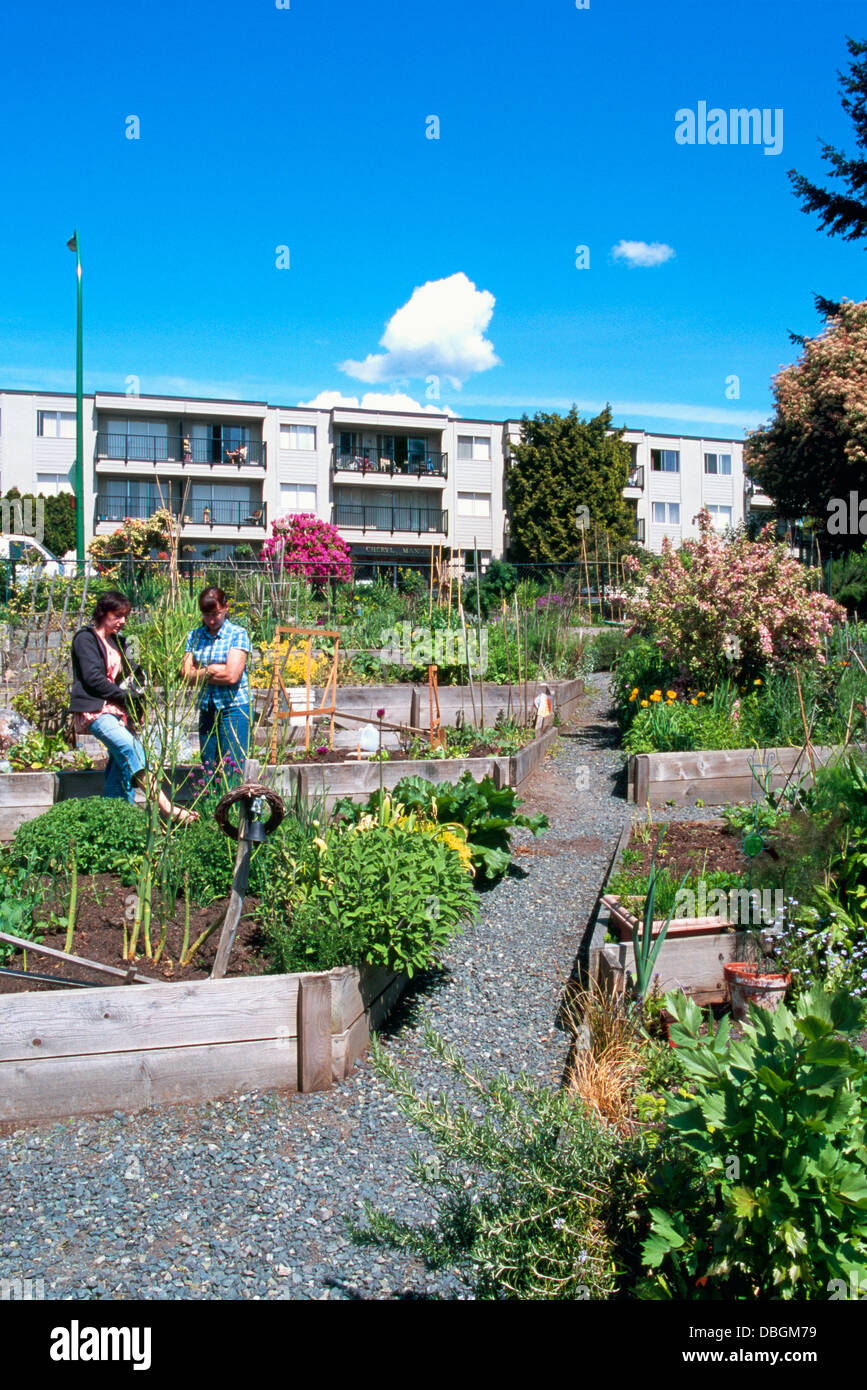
{"points": [[843, 214], [566, 476]]}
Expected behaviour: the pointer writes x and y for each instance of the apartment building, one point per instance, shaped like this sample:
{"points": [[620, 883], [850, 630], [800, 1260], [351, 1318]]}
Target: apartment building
{"points": [[393, 483]]}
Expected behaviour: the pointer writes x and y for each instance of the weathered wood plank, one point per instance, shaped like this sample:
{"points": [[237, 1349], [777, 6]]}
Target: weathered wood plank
{"points": [[685, 963], [53, 1088], [118, 1020], [353, 991], [27, 789], [314, 1033], [13, 816]]}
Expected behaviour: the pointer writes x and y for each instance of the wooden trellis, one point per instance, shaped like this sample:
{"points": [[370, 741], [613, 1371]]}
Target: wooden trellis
{"points": [[278, 685]]}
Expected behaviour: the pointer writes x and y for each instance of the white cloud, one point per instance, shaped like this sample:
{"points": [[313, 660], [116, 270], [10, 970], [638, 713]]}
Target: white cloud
{"points": [[440, 330], [642, 253], [372, 400]]}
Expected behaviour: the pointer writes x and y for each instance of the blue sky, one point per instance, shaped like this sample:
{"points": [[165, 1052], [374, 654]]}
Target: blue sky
{"points": [[306, 128]]}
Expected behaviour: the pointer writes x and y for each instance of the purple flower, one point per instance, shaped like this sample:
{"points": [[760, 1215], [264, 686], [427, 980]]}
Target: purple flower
{"points": [[321, 750], [380, 714]]}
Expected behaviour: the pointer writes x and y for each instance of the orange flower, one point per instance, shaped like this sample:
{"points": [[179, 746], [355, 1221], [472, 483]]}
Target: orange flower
{"points": [[644, 704], [634, 693], [671, 694], [656, 696]]}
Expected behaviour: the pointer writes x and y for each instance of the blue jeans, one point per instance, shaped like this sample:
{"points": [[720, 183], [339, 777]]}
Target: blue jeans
{"points": [[224, 738], [126, 756]]}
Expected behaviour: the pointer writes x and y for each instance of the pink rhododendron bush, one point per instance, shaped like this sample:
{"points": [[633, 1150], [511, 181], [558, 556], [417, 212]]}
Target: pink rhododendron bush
{"points": [[304, 545], [731, 606]]}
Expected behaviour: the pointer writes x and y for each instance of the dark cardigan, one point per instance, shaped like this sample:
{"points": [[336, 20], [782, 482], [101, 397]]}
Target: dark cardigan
{"points": [[91, 686]]}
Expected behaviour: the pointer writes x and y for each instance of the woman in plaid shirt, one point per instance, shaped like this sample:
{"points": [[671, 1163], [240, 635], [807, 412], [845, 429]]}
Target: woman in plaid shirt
{"points": [[216, 659]]}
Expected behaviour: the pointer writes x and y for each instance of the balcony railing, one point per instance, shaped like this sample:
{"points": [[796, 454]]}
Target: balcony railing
{"points": [[379, 461], [421, 520], [145, 448], [115, 507], [636, 477]]}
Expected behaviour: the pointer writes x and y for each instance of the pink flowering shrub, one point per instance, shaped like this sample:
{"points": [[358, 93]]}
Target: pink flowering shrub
{"points": [[721, 605], [305, 545]]}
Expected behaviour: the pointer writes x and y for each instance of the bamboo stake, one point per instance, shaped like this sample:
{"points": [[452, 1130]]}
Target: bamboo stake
{"points": [[469, 670], [804, 722], [508, 657], [587, 575]]}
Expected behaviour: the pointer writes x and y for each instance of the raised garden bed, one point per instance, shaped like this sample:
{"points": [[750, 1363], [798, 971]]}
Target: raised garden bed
{"points": [[357, 780], [397, 700], [693, 847], [690, 961], [83, 1051], [716, 776]]}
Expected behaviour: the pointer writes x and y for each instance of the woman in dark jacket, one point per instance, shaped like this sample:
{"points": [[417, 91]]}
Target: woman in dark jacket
{"points": [[102, 691]]}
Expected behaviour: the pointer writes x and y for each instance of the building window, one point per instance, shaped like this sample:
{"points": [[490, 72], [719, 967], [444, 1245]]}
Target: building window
{"points": [[297, 497], [666, 513], [474, 447], [51, 484], [665, 460], [718, 463], [474, 504], [721, 517], [298, 437], [55, 424]]}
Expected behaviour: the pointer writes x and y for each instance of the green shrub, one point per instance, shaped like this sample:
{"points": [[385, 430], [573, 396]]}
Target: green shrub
{"points": [[107, 833], [765, 1196], [385, 896]]}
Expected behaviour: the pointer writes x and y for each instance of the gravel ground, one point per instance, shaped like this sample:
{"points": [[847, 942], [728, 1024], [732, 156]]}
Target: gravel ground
{"points": [[246, 1197]]}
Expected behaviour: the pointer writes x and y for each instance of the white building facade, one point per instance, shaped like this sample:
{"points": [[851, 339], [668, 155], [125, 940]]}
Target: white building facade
{"points": [[393, 483]]}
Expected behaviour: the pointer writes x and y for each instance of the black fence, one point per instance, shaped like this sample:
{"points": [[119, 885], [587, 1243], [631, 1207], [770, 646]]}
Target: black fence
{"points": [[363, 461], [116, 507], [421, 520], [144, 448]]}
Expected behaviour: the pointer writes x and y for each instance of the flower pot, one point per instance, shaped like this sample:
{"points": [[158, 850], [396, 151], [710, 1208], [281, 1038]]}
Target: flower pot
{"points": [[752, 984]]}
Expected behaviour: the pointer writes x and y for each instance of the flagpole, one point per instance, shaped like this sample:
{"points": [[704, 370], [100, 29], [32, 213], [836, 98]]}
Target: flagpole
{"points": [[75, 245]]}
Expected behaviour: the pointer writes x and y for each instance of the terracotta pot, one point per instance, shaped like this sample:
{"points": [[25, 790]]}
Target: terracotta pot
{"points": [[752, 984]]}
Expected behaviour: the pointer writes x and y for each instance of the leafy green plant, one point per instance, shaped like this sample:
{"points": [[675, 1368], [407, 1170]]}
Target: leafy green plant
{"points": [[383, 895], [487, 812], [765, 1194], [646, 948], [39, 752]]}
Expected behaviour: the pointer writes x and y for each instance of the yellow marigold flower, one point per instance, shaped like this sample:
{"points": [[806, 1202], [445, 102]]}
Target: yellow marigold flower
{"points": [[656, 696], [758, 681], [693, 701], [671, 694], [699, 694], [634, 693], [644, 704]]}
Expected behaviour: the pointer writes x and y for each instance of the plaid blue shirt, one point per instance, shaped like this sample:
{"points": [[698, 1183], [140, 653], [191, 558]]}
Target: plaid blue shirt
{"points": [[210, 651]]}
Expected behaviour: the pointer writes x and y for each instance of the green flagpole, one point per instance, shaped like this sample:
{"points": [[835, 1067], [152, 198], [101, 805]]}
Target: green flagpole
{"points": [[75, 245]]}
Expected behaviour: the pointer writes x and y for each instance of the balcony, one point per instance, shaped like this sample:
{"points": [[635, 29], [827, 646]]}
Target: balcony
{"points": [[420, 520], [178, 449], [635, 481], [383, 464], [116, 507]]}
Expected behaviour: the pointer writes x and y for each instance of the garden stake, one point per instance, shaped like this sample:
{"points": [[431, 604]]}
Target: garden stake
{"points": [[804, 722], [73, 898], [126, 975], [250, 831]]}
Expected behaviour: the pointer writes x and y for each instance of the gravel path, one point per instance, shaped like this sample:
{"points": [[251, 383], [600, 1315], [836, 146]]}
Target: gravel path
{"points": [[246, 1197]]}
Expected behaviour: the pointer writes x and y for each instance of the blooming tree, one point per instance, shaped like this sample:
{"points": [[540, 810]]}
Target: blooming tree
{"points": [[132, 542], [304, 545], [720, 600], [815, 448]]}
